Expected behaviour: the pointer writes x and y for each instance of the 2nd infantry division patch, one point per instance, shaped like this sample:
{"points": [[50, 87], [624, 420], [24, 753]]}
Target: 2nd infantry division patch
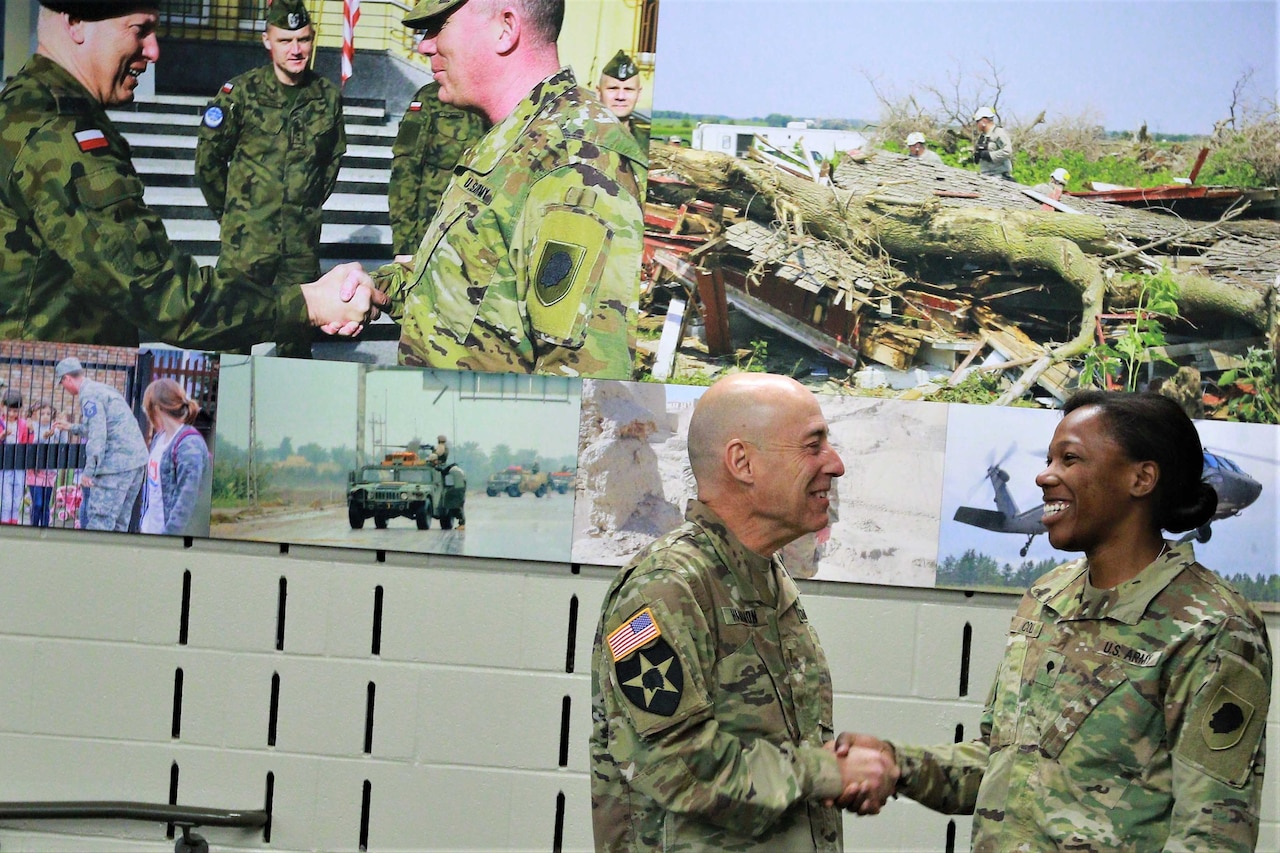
{"points": [[651, 678]]}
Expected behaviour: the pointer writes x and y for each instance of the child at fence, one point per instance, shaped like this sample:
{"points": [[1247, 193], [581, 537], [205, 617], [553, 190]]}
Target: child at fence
{"points": [[14, 429], [42, 481]]}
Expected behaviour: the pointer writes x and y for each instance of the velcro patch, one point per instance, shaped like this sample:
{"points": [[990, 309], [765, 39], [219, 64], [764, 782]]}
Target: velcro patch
{"points": [[228, 86], [635, 632], [415, 107], [739, 616], [652, 679], [1022, 625], [213, 117], [89, 409], [568, 252], [88, 140], [1224, 726]]}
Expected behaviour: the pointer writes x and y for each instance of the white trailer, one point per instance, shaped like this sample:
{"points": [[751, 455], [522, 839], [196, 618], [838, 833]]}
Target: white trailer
{"points": [[735, 139]]}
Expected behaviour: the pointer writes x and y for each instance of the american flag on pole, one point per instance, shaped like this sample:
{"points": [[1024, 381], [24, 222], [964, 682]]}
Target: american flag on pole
{"points": [[632, 634], [350, 17]]}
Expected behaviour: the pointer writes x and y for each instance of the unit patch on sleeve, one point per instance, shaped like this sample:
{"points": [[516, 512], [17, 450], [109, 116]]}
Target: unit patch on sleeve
{"points": [[652, 679], [213, 117]]}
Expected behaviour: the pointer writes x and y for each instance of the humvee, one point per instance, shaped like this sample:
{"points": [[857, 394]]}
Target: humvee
{"points": [[406, 485]]}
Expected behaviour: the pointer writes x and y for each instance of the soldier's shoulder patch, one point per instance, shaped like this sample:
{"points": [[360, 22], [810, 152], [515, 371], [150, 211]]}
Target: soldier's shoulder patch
{"points": [[213, 117], [227, 87], [571, 248], [91, 139], [415, 107], [89, 408], [1226, 721], [652, 679], [640, 629]]}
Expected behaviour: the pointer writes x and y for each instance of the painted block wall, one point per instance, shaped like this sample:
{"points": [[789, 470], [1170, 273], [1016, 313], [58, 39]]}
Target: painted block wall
{"points": [[394, 702]]}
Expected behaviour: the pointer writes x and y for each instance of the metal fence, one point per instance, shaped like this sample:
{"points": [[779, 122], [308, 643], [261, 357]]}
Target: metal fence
{"points": [[40, 462]]}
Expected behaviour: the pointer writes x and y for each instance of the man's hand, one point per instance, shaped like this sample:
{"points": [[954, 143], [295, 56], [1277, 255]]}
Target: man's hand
{"points": [[878, 765], [86, 481], [342, 300], [60, 424]]}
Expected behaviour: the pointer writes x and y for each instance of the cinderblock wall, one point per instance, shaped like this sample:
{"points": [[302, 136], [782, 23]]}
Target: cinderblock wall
{"points": [[395, 702]]}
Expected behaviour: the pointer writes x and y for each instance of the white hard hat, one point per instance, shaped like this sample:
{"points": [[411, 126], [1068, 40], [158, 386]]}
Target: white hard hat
{"points": [[916, 138], [1061, 176], [985, 112]]}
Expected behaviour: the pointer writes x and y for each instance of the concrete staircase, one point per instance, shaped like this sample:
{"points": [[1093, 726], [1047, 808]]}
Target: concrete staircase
{"points": [[162, 135]]}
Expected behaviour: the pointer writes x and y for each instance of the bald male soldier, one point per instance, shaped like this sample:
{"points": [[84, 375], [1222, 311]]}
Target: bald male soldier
{"points": [[85, 259], [619, 90], [711, 697], [269, 148], [532, 262]]}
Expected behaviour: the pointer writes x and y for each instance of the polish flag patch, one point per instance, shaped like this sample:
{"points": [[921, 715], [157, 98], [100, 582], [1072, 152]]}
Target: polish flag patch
{"points": [[416, 106], [91, 139], [228, 86]]}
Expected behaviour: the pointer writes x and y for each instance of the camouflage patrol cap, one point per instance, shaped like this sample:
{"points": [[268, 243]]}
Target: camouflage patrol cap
{"points": [[99, 10], [288, 14], [621, 67], [65, 367], [426, 10]]}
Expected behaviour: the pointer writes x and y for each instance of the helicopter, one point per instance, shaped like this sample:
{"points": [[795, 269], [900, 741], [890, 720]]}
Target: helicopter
{"points": [[1236, 490]]}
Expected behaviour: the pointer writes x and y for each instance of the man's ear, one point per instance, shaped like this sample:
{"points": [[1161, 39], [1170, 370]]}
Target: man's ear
{"points": [[738, 461], [266, 40], [75, 27], [1146, 475], [508, 18]]}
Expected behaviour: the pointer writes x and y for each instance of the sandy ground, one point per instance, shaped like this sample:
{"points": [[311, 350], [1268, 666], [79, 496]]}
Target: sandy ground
{"points": [[635, 482]]}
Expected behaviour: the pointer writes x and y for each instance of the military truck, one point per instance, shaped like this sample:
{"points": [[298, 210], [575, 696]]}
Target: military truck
{"points": [[406, 485], [515, 481], [563, 481]]}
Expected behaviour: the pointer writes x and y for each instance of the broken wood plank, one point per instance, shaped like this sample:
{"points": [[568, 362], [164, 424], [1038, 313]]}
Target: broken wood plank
{"points": [[670, 341]]}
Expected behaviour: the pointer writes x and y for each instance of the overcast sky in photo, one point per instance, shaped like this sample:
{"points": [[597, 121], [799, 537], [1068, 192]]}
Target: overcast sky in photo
{"points": [[1170, 64], [315, 401]]}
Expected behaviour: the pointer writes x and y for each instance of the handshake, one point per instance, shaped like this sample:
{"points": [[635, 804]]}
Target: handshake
{"points": [[868, 769], [343, 300]]}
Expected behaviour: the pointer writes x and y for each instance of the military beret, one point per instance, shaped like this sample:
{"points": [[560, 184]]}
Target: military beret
{"points": [[426, 10], [99, 10], [621, 67], [288, 14]]}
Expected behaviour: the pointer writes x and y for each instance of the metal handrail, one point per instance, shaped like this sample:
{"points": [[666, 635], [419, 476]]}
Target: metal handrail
{"points": [[159, 812]]}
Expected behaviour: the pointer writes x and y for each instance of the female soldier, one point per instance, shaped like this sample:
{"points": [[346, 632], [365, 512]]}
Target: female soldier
{"points": [[1130, 708]]}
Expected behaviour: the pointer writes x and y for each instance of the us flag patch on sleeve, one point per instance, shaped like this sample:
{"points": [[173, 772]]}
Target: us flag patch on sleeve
{"points": [[632, 634], [91, 139]]}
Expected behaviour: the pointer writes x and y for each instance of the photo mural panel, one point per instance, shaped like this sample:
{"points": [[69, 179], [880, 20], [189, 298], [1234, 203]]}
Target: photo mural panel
{"points": [[397, 459], [992, 537], [792, 227], [107, 438], [634, 482]]}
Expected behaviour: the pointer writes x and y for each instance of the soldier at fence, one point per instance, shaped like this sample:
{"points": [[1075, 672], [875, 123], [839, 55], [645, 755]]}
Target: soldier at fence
{"points": [[267, 157], [993, 152], [711, 696], [432, 139], [85, 259], [115, 453], [532, 262], [619, 89]]}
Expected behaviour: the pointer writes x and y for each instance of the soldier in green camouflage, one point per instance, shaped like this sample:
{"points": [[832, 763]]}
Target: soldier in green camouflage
{"points": [[711, 697], [432, 139], [619, 89], [85, 260], [267, 157], [1129, 713], [532, 262]]}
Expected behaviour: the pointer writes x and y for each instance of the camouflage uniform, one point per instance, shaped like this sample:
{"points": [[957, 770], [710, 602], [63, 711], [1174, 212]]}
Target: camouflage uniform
{"points": [[115, 455], [708, 729], [432, 139], [1129, 719], [532, 262], [84, 259], [266, 160], [640, 127], [1000, 147]]}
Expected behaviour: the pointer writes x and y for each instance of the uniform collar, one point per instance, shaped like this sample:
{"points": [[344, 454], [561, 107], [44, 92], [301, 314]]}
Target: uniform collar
{"points": [[755, 575], [499, 141], [60, 80], [1062, 590]]}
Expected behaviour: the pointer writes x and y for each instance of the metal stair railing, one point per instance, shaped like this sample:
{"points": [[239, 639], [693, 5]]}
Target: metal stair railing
{"points": [[186, 817]]}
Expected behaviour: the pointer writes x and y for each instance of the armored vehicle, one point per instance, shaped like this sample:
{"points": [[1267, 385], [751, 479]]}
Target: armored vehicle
{"points": [[405, 485], [515, 481]]}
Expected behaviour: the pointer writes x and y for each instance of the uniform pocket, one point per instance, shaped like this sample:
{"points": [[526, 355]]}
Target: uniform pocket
{"points": [[133, 239], [746, 699]]}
